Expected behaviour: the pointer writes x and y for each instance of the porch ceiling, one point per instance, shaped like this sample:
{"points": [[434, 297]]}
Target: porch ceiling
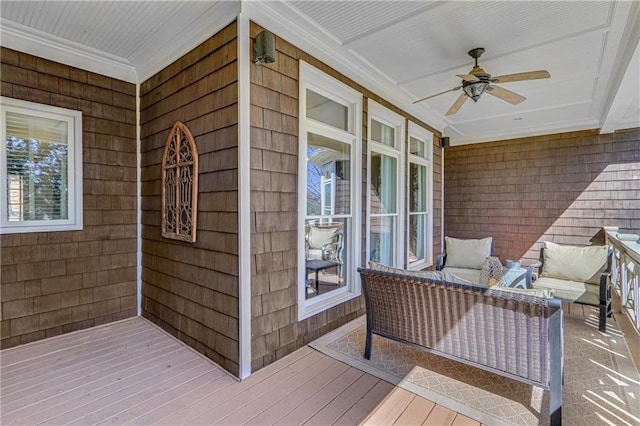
{"points": [[401, 50]]}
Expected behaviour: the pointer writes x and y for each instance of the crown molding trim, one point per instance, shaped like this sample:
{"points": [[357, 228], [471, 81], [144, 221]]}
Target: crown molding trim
{"points": [[34, 42], [285, 21], [217, 17], [44, 45], [558, 127]]}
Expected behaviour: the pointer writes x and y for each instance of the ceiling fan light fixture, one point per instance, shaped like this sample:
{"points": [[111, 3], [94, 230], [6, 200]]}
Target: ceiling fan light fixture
{"points": [[474, 90]]}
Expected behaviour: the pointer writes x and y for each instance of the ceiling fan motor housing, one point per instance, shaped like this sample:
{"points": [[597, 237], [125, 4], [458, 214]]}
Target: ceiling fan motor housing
{"points": [[474, 89]]}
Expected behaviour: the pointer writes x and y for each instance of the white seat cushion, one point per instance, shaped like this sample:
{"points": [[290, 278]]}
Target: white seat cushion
{"points": [[570, 291], [471, 275]]}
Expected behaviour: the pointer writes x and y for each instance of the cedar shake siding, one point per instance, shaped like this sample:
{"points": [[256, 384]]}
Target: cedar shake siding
{"points": [[191, 289], [275, 328], [57, 282], [562, 188]]}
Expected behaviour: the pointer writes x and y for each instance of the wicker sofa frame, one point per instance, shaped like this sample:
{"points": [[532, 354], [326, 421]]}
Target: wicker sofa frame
{"points": [[514, 335]]}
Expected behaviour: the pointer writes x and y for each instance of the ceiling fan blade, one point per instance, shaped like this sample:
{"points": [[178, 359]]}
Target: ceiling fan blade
{"points": [[504, 94], [468, 77], [438, 94], [457, 104], [522, 76]]}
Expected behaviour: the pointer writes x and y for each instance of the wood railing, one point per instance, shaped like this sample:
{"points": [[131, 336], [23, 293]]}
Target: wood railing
{"points": [[625, 271]]}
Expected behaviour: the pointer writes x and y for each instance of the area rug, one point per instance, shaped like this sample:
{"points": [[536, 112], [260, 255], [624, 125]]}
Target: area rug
{"points": [[601, 384]]}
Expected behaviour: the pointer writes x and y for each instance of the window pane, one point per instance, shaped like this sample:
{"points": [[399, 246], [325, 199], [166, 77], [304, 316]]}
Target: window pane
{"points": [[417, 147], [325, 110], [382, 244], [328, 176], [37, 155], [417, 225], [383, 183], [417, 188], [326, 245], [382, 133]]}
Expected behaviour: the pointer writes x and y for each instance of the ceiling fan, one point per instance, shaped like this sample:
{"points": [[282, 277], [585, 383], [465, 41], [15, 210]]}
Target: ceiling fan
{"points": [[478, 81]]}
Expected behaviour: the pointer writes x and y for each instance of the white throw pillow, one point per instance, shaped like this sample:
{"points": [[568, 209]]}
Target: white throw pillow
{"points": [[582, 264], [468, 254]]}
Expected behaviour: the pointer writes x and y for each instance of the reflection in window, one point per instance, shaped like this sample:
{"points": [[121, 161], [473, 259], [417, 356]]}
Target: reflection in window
{"points": [[36, 165], [326, 111], [416, 147], [383, 199], [382, 133], [37, 180], [328, 210], [417, 211], [420, 232]]}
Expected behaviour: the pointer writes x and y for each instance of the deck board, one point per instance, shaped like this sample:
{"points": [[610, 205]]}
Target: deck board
{"points": [[34, 366], [68, 342], [311, 406], [391, 408], [85, 371], [343, 398], [251, 408], [416, 412], [276, 411], [366, 405], [131, 372], [89, 378]]}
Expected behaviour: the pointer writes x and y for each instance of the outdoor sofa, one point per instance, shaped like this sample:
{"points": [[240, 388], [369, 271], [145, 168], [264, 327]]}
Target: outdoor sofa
{"points": [[477, 325]]}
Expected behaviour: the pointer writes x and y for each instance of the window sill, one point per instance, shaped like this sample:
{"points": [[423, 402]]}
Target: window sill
{"points": [[25, 228], [321, 303]]}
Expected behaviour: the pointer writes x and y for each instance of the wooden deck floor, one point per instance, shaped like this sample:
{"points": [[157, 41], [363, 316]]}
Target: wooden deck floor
{"points": [[133, 372]]}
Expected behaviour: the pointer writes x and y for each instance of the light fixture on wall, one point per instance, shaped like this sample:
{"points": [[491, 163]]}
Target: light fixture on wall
{"points": [[264, 48]]}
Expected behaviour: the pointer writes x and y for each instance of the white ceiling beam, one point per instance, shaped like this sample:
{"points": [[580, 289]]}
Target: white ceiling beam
{"points": [[623, 86]]}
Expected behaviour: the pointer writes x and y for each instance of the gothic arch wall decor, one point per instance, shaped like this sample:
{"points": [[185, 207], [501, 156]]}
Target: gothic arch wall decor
{"points": [[180, 185]]}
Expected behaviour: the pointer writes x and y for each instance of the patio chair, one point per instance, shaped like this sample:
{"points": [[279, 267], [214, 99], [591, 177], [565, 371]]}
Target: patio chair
{"points": [[464, 257], [323, 241], [323, 249], [575, 275]]}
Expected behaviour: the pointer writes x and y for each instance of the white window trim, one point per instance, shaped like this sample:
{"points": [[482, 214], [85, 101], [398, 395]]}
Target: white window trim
{"points": [[422, 134], [386, 116], [74, 168], [319, 82]]}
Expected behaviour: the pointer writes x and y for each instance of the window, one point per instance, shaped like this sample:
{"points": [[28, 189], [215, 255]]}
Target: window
{"points": [[41, 168], [180, 185], [329, 177], [384, 193], [420, 223]]}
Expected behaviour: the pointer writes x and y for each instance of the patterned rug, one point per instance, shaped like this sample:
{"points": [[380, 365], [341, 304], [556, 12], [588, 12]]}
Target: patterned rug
{"points": [[601, 385]]}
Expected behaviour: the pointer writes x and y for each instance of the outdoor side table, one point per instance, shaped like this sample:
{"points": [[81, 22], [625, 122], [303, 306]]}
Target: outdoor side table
{"points": [[318, 265], [515, 276]]}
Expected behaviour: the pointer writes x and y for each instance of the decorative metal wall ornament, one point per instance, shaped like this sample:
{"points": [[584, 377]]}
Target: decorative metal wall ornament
{"points": [[180, 185]]}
